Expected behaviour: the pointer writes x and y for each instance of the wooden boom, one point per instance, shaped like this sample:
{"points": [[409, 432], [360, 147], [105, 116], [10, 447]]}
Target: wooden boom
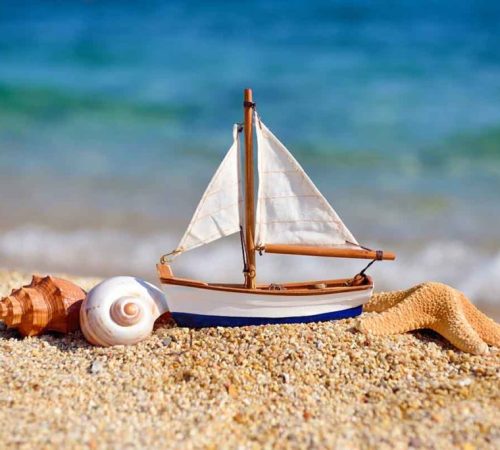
{"points": [[327, 251]]}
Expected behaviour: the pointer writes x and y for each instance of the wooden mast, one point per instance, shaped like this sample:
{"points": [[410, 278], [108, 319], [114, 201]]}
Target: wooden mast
{"points": [[248, 107]]}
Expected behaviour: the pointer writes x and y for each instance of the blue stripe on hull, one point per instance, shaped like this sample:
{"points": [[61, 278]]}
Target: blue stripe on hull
{"points": [[201, 321]]}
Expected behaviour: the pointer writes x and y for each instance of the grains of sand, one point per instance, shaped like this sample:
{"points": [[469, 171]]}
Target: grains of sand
{"points": [[288, 386]]}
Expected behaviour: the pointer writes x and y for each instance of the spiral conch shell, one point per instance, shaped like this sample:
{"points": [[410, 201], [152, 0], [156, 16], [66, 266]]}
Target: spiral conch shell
{"points": [[121, 311], [47, 303]]}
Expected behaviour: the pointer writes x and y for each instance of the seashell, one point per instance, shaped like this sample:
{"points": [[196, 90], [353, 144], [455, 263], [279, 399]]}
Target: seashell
{"points": [[47, 303], [121, 311]]}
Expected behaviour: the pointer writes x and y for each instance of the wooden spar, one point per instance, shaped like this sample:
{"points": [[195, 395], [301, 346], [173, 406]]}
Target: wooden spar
{"points": [[326, 251], [249, 191]]}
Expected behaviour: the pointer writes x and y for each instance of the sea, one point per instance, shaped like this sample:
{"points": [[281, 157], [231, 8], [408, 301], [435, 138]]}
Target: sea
{"points": [[114, 115]]}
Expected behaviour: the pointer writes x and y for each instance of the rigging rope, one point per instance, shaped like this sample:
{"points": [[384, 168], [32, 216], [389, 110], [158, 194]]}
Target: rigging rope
{"points": [[379, 256], [243, 251]]}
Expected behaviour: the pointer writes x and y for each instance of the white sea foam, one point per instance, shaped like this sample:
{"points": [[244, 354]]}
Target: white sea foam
{"points": [[110, 252]]}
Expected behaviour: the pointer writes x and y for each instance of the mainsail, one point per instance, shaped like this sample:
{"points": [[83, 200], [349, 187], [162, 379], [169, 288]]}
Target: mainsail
{"points": [[218, 213], [290, 208]]}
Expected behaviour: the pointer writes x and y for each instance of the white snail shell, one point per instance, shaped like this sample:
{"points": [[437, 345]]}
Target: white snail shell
{"points": [[121, 311]]}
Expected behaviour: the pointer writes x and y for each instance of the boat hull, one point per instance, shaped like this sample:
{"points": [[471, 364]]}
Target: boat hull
{"points": [[203, 321], [198, 307]]}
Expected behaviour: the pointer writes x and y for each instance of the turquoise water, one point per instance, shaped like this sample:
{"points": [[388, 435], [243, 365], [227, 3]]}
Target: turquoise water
{"points": [[114, 115]]}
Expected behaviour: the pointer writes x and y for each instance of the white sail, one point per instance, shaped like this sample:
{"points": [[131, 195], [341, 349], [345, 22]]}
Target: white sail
{"points": [[290, 208], [218, 213]]}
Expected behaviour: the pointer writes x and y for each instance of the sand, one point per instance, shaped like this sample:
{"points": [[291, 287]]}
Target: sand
{"points": [[287, 386]]}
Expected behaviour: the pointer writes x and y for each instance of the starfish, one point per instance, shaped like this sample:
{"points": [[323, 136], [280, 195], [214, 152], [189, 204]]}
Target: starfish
{"points": [[434, 306]]}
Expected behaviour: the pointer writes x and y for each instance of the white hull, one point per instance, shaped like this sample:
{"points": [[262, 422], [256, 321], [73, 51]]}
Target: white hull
{"points": [[205, 307]]}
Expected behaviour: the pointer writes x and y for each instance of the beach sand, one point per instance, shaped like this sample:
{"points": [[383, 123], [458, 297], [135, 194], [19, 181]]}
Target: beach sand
{"points": [[289, 386]]}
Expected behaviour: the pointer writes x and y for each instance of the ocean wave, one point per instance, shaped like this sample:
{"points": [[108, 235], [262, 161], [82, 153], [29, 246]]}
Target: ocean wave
{"points": [[46, 104], [42, 121], [106, 252]]}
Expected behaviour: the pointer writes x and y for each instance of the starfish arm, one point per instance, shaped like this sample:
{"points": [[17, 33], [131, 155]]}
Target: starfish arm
{"points": [[444, 304], [408, 315], [384, 300], [487, 329], [461, 334]]}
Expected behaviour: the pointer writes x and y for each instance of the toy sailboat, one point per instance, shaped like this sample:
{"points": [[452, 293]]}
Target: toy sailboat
{"points": [[291, 217]]}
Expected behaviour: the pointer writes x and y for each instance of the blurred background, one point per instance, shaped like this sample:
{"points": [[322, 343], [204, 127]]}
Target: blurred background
{"points": [[114, 116]]}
